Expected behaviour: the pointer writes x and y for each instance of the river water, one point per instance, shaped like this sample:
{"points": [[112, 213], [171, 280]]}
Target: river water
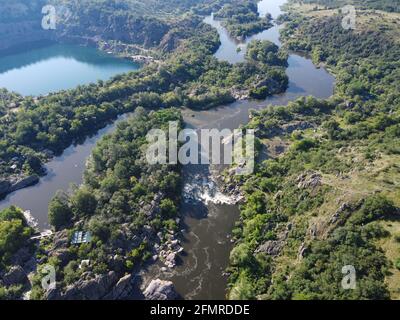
{"points": [[43, 69], [208, 214], [62, 172]]}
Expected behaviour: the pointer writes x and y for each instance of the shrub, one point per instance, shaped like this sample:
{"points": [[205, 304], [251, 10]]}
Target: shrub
{"points": [[60, 213], [84, 202], [304, 145], [168, 208]]}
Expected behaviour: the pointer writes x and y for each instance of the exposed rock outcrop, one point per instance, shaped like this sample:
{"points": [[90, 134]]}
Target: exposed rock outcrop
{"points": [[285, 129], [24, 183], [272, 248], [5, 187], [63, 256], [160, 290], [16, 276], [8, 187], [273, 86], [60, 240], [170, 251], [22, 256], [122, 290], [309, 180], [297, 126], [94, 289], [336, 216], [302, 251]]}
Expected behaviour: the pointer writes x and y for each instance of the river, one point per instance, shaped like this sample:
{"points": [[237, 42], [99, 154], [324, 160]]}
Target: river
{"points": [[42, 69], [208, 215]]}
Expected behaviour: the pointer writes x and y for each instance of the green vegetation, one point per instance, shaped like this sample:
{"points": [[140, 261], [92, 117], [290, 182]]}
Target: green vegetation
{"points": [[190, 77], [241, 19], [330, 198], [21, 10], [266, 52], [8, 100], [14, 235], [124, 203], [60, 213], [386, 5], [14, 232]]}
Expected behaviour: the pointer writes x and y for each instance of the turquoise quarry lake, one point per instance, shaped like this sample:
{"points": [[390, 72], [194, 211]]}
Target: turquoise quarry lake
{"points": [[39, 71]]}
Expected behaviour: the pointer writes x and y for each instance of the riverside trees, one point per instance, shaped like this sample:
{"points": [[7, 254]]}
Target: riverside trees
{"points": [[14, 235], [126, 204], [189, 77]]}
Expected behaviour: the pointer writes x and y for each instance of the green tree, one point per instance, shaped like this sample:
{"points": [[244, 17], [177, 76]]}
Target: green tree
{"points": [[60, 213], [13, 235], [168, 208], [84, 202], [11, 213]]}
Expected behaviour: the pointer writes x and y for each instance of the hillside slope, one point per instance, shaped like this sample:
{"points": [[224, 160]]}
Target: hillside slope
{"points": [[328, 196]]}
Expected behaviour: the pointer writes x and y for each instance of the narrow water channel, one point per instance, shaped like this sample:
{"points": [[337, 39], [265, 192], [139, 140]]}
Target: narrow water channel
{"points": [[209, 215], [39, 70], [62, 171]]}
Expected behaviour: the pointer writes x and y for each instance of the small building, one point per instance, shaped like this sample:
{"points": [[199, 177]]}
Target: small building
{"points": [[84, 263], [80, 237]]}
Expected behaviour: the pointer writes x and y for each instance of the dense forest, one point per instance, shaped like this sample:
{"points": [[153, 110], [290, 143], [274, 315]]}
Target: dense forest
{"points": [[328, 195], [325, 192], [14, 245], [242, 19], [120, 188], [128, 207], [190, 77]]}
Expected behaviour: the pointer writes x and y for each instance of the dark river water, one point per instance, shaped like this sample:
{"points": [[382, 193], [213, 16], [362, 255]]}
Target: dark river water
{"points": [[208, 215], [48, 68], [62, 171]]}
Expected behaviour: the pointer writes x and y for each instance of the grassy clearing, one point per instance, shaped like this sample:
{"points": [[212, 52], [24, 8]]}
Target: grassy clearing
{"points": [[385, 22], [390, 246]]}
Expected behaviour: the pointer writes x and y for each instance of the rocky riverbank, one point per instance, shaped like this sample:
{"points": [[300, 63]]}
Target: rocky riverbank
{"points": [[115, 284], [9, 186]]}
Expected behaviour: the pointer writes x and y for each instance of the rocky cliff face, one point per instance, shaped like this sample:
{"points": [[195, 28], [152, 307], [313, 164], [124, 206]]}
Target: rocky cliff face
{"points": [[125, 28], [15, 34], [21, 22]]}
